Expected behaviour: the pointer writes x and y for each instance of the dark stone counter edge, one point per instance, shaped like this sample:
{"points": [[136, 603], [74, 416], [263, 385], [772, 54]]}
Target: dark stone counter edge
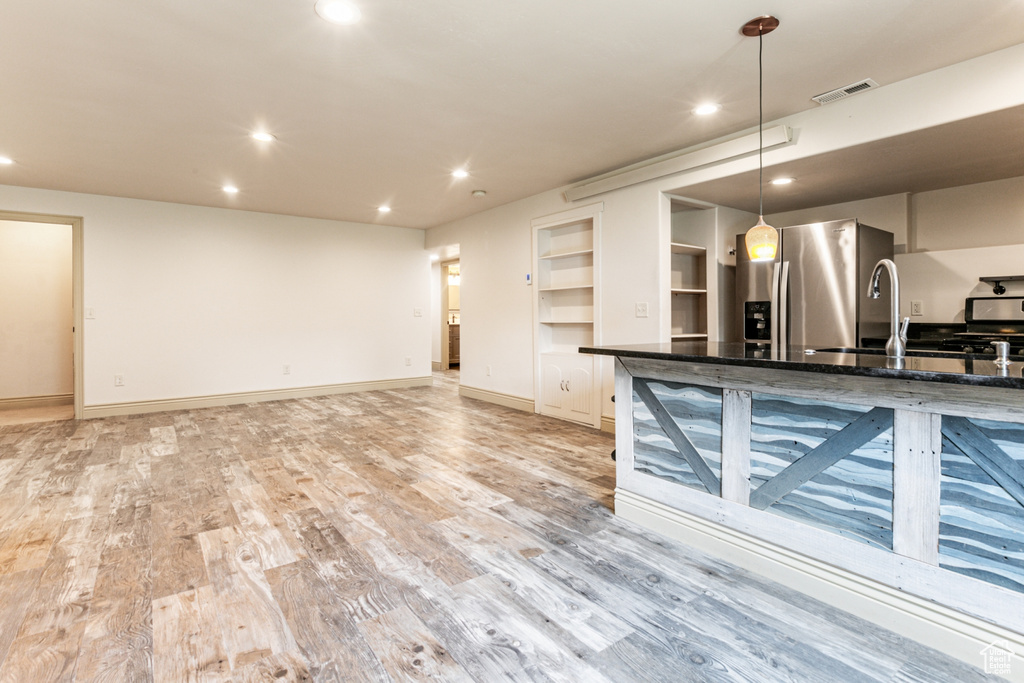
{"points": [[866, 366]]}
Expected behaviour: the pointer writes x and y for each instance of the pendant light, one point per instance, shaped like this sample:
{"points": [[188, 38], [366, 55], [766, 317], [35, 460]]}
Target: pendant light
{"points": [[762, 240]]}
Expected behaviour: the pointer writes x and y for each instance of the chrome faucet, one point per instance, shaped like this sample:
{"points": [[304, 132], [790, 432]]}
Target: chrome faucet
{"points": [[897, 344]]}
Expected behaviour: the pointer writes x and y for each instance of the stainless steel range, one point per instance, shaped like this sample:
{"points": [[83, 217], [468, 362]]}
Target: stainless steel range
{"points": [[990, 319]]}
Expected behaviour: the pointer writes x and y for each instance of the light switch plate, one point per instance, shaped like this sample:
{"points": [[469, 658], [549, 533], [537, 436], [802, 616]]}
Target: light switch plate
{"points": [[641, 309], [417, 312]]}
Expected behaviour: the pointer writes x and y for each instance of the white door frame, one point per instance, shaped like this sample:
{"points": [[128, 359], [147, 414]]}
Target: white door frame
{"points": [[77, 285]]}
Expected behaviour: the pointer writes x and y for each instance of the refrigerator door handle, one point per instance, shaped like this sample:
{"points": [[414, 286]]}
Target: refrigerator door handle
{"points": [[776, 274], [783, 298]]}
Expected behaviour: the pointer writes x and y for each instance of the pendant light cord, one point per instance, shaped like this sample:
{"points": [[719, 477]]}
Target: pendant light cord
{"points": [[760, 124]]}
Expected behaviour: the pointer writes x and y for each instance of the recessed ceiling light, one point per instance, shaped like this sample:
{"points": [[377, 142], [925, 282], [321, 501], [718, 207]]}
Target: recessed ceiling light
{"points": [[460, 173], [707, 109], [263, 136], [479, 193], [782, 181], [6, 161], [230, 189], [384, 209], [338, 11]]}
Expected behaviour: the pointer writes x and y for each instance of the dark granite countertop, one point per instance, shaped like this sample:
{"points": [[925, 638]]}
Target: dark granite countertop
{"points": [[927, 366]]}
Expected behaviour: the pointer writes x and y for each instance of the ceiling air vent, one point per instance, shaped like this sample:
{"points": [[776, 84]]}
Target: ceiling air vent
{"points": [[840, 93]]}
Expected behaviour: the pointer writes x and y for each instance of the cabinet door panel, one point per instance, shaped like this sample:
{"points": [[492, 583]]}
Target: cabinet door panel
{"points": [[553, 395], [581, 392]]}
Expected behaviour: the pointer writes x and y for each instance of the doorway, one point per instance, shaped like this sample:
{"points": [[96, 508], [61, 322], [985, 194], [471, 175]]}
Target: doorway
{"points": [[41, 272], [451, 314]]}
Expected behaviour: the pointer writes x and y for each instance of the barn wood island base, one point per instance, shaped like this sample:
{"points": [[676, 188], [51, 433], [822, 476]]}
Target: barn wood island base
{"points": [[893, 488]]}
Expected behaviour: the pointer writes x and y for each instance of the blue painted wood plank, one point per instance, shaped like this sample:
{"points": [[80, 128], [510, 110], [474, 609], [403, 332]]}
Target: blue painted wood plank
{"points": [[832, 450], [682, 444], [979, 448]]}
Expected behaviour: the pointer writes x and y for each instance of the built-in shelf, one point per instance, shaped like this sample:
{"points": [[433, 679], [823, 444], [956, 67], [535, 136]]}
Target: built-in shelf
{"points": [[565, 254], [567, 311], [686, 337], [565, 288], [688, 249]]}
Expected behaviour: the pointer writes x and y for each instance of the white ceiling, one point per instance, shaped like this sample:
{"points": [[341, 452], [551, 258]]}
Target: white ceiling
{"points": [[155, 99]]}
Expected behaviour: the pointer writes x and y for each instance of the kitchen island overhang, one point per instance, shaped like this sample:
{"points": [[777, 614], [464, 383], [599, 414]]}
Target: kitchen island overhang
{"points": [[888, 487]]}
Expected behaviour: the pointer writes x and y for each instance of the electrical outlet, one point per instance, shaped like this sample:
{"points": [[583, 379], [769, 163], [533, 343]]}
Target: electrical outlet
{"points": [[417, 312], [90, 314], [488, 370], [916, 308], [641, 309], [408, 360], [118, 380], [286, 369]]}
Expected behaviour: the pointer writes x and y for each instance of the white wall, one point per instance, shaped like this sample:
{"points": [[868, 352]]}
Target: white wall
{"points": [[941, 280], [979, 215], [192, 301], [36, 337], [890, 213]]}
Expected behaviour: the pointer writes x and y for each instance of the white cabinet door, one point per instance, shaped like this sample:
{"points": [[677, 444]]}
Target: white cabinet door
{"points": [[553, 393], [567, 387]]}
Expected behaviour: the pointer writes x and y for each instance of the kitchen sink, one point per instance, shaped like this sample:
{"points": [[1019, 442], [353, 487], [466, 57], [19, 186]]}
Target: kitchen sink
{"points": [[910, 352]]}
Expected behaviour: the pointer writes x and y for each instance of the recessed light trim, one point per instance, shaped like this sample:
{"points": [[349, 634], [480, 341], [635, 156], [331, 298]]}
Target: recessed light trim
{"points": [[384, 209], [479, 193], [707, 109], [782, 181], [460, 173], [263, 136], [338, 11], [6, 161], [230, 189]]}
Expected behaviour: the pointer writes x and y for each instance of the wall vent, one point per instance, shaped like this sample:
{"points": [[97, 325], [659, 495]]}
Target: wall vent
{"points": [[840, 93]]}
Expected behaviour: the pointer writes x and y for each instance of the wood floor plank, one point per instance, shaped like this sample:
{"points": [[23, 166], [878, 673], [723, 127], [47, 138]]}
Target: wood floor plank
{"points": [[251, 621], [187, 641], [15, 592], [324, 630], [46, 656], [68, 579], [408, 650], [274, 542]]}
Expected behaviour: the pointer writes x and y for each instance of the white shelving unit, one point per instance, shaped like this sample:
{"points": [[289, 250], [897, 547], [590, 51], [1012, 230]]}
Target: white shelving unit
{"points": [[566, 311], [689, 292]]}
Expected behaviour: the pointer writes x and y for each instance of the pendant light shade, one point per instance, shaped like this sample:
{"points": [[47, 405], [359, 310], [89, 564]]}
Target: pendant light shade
{"points": [[762, 240]]}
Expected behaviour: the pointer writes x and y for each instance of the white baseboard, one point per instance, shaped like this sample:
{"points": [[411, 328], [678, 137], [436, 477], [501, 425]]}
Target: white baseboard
{"points": [[957, 634], [435, 365], [507, 400], [192, 402], [36, 401], [608, 423]]}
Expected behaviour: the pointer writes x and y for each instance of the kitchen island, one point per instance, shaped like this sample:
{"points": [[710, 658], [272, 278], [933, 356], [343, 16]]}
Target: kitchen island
{"points": [[893, 488]]}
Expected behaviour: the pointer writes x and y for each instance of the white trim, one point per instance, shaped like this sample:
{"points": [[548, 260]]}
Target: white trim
{"points": [[36, 401], [608, 423], [507, 400], [435, 366], [934, 625], [677, 162], [192, 402], [572, 215]]}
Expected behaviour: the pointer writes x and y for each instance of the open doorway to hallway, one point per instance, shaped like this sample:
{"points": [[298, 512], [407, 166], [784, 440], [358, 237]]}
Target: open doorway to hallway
{"points": [[40, 259], [451, 314]]}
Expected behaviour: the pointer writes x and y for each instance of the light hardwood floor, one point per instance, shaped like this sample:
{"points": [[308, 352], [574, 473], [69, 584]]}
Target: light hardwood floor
{"points": [[393, 535]]}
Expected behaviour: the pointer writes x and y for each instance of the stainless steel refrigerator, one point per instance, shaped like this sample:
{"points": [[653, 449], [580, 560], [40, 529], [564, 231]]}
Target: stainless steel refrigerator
{"points": [[815, 291]]}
